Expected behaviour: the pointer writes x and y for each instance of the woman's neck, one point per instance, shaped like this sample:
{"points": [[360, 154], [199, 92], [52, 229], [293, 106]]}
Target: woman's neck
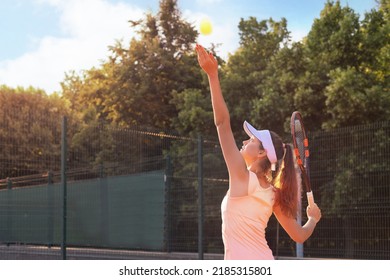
{"points": [[261, 176], [263, 180]]}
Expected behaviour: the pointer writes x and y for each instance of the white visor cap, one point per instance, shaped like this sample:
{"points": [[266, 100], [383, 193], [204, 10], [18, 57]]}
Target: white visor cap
{"points": [[265, 138]]}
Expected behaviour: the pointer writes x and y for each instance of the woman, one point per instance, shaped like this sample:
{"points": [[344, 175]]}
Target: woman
{"points": [[262, 181]]}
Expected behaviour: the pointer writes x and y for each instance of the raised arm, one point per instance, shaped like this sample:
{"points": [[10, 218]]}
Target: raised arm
{"points": [[238, 173]]}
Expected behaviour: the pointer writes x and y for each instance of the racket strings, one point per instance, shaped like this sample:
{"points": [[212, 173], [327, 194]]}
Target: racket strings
{"points": [[301, 148]]}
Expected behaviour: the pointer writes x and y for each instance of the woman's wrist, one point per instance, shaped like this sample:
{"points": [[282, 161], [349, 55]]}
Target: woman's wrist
{"points": [[213, 75], [312, 219]]}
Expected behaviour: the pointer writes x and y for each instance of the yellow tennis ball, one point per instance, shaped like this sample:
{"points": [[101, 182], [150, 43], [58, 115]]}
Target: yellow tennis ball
{"points": [[205, 27]]}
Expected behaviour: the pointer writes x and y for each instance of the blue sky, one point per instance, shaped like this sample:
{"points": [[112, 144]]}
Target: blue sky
{"points": [[43, 39]]}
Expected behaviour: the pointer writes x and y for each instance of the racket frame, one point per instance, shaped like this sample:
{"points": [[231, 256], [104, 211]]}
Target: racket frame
{"points": [[303, 163]]}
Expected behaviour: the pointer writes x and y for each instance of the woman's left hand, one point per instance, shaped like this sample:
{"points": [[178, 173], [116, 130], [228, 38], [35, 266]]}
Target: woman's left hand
{"points": [[314, 212]]}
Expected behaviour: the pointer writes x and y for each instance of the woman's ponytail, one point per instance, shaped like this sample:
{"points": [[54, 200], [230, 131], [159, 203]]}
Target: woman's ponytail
{"points": [[287, 184]]}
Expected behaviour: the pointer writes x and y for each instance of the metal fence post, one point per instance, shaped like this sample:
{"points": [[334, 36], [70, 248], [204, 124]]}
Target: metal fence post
{"points": [[50, 204], [104, 217], [200, 198], [168, 211], [9, 184], [9, 210], [64, 187], [299, 246]]}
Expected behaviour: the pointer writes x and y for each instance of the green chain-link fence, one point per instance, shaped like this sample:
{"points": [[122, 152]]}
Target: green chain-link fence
{"points": [[135, 193]]}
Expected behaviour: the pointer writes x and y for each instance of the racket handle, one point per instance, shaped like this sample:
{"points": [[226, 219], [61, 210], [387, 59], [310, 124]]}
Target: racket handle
{"points": [[310, 198]]}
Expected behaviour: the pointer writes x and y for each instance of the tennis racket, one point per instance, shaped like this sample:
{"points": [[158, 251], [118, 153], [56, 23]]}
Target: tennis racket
{"points": [[301, 151]]}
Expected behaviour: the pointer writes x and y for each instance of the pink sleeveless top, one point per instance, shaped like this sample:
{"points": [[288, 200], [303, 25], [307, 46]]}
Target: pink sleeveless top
{"points": [[244, 220]]}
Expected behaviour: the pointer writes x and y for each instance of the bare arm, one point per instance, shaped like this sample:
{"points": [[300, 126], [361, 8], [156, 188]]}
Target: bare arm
{"points": [[297, 232], [238, 173]]}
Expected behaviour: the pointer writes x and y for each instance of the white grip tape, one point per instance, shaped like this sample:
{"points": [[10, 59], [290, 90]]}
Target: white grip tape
{"points": [[310, 198]]}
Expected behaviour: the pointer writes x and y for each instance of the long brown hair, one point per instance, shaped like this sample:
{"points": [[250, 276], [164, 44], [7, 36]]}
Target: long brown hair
{"points": [[285, 177]]}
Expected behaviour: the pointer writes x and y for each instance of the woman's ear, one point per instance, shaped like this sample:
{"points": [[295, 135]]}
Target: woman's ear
{"points": [[262, 154]]}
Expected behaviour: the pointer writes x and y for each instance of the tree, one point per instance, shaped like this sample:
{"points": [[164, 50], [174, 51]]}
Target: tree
{"points": [[195, 114], [245, 71], [358, 94], [333, 42], [282, 74], [30, 131], [134, 86], [354, 98], [375, 45]]}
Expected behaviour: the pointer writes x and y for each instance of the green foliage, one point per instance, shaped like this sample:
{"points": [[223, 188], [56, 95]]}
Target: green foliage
{"points": [[134, 87], [245, 71], [195, 113], [333, 42], [334, 38], [156, 81], [274, 108], [352, 99], [30, 130]]}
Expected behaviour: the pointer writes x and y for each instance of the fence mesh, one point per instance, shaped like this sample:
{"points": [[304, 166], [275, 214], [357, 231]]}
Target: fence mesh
{"points": [[134, 193]]}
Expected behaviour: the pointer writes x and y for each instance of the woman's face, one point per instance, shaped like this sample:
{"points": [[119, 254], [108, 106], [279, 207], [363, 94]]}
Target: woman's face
{"points": [[250, 149]]}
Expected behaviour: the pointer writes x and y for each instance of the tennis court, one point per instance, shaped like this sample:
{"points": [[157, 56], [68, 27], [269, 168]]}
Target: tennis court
{"points": [[135, 194]]}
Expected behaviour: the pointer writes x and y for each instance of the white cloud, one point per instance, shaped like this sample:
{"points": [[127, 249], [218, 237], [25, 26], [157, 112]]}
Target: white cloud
{"points": [[298, 34], [89, 27]]}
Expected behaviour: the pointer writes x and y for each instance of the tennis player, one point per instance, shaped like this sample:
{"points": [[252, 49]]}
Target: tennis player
{"points": [[262, 181]]}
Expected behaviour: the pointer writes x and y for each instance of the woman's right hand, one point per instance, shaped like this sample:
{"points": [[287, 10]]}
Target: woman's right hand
{"points": [[207, 61]]}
